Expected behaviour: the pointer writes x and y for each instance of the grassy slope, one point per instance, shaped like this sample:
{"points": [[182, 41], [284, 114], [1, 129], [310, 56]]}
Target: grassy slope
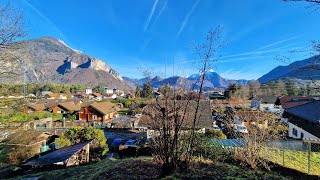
{"points": [[145, 168], [297, 160]]}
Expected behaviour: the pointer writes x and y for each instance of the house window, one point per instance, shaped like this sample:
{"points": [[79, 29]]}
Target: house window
{"points": [[302, 135], [294, 132], [94, 117]]}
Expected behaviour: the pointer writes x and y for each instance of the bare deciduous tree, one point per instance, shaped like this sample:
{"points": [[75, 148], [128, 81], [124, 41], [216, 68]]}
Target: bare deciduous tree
{"points": [[11, 24], [208, 53], [177, 117], [12, 28]]}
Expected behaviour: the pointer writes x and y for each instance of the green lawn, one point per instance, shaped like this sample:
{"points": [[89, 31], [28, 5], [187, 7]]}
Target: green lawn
{"points": [[297, 160], [56, 116], [123, 111]]}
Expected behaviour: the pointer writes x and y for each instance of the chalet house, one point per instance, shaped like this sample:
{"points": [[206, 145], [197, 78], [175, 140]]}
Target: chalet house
{"points": [[83, 96], [66, 107], [56, 96], [97, 96], [110, 96], [263, 102], [31, 108], [151, 116], [252, 118], [304, 120], [88, 91], [98, 112], [44, 93], [108, 90], [216, 95], [68, 156]]}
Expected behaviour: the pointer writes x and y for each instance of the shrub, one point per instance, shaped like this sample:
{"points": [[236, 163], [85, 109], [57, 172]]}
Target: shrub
{"points": [[41, 115], [215, 134], [71, 117], [79, 134]]}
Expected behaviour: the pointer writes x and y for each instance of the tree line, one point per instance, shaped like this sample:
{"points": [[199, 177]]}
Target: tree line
{"points": [[288, 87], [36, 89], [145, 92]]}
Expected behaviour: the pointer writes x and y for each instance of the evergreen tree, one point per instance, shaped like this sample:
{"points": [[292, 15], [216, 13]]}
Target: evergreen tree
{"points": [[138, 92], [147, 91], [165, 90]]}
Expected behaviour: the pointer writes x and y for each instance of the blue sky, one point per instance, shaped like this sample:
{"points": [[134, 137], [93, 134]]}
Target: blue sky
{"points": [[151, 33]]}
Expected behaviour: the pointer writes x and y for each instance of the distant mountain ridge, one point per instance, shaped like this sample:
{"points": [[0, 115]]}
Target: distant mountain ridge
{"points": [[50, 60], [297, 70], [212, 80]]}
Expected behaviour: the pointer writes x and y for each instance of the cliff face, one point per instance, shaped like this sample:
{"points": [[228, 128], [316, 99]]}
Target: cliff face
{"points": [[51, 60]]}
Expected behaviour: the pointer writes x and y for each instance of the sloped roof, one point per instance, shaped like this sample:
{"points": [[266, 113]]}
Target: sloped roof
{"points": [[186, 111], [55, 94], [96, 94], [70, 106], [292, 101], [252, 116], [105, 107], [57, 156], [86, 104], [50, 103], [37, 107], [26, 137], [309, 111]]}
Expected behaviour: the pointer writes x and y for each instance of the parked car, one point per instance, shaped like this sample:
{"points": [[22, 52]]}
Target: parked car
{"points": [[216, 128], [116, 143], [130, 144], [241, 129], [273, 110]]}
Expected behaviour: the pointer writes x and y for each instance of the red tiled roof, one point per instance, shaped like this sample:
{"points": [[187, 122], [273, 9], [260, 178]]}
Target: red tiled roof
{"points": [[293, 101]]}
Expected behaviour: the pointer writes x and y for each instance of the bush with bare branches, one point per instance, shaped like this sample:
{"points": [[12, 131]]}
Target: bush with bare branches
{"points": [[177, 117]]}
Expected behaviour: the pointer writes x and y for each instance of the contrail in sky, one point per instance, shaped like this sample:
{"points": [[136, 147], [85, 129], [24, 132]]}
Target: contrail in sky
{"points": [[186, 19], [150, 15]]}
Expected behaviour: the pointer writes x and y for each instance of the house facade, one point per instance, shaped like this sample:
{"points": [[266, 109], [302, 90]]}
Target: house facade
{"points": [[304, 120], [66, 107], [263, 102], [97, 96], [56, 96], [88, 91], [297, 132], [252, 118], [98, 112], [32, 108]]}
